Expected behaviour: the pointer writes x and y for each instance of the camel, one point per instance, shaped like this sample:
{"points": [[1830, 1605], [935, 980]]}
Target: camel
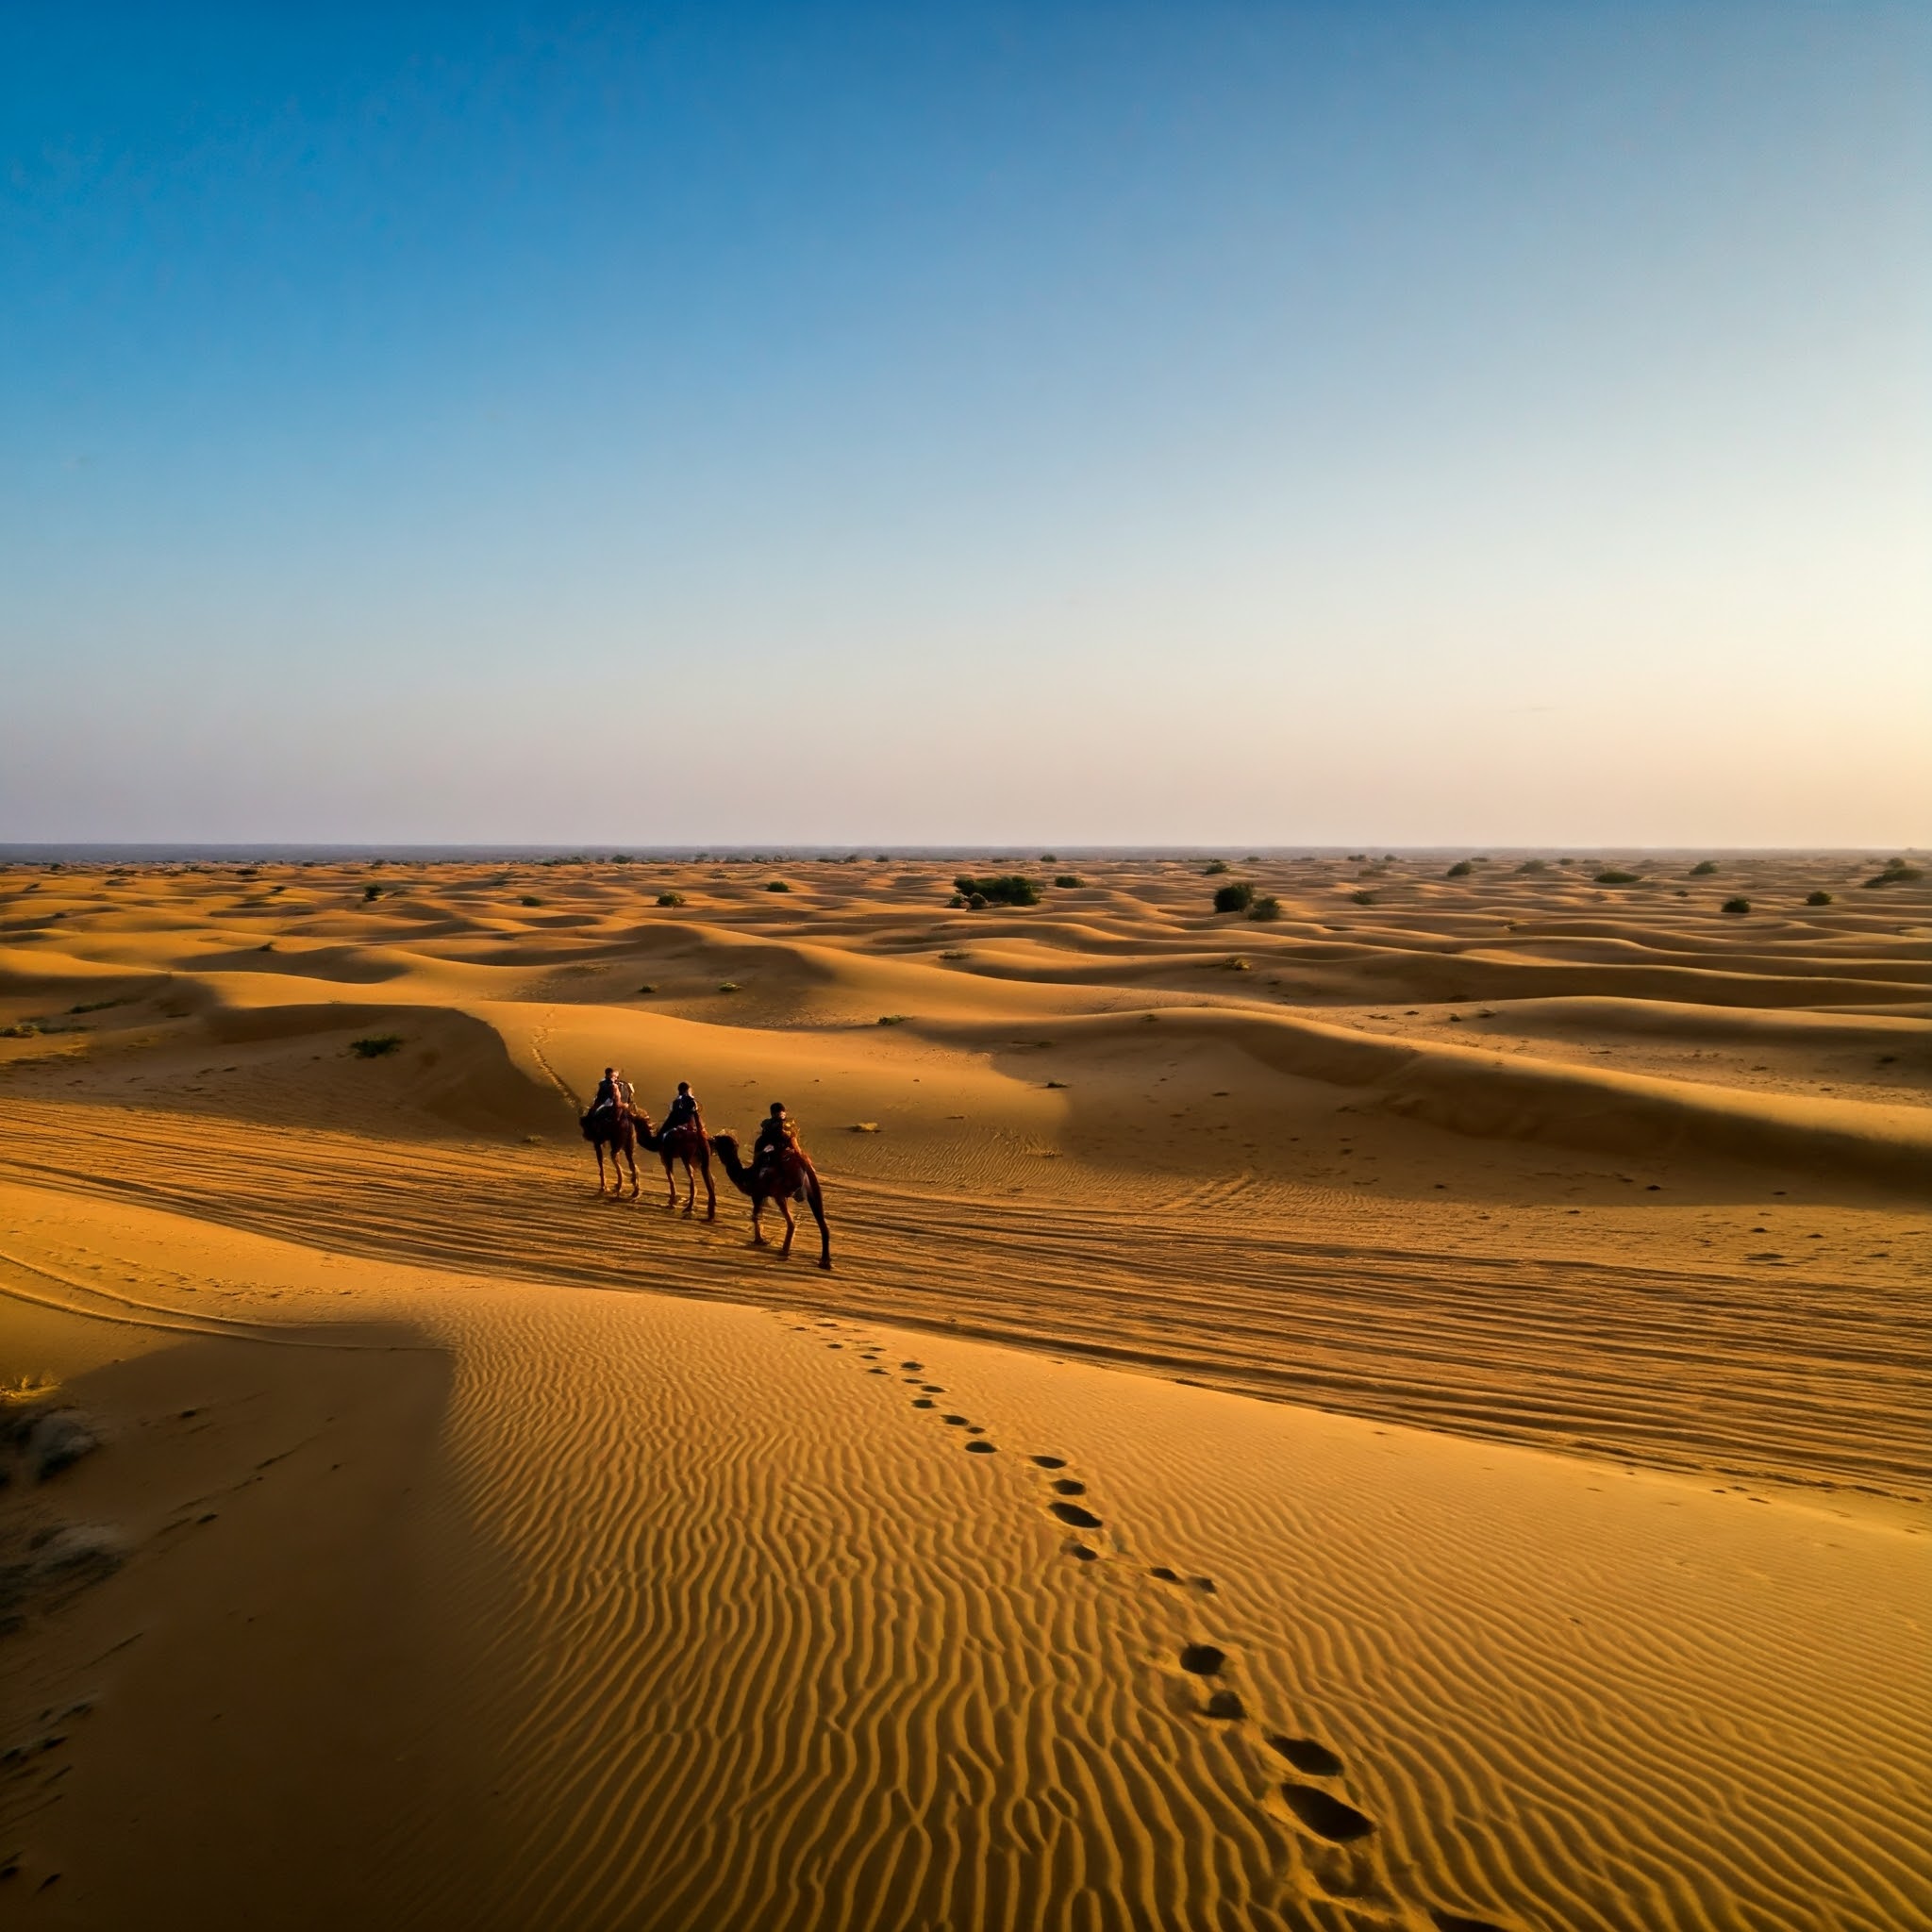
{"points": [[692, 1146], [615, 1128], [787, 1176]]}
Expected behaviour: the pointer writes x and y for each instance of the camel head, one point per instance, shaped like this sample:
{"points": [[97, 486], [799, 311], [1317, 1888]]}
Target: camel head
{"points": [[726, 1147]]}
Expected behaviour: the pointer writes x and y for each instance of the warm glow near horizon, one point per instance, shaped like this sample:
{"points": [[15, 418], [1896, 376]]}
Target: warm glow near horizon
{"points": [[1158, 426]]}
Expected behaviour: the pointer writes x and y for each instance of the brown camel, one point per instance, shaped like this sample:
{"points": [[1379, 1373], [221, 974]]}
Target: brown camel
{"points": [[616, 1128], [692, 1146], [787, 1177]]}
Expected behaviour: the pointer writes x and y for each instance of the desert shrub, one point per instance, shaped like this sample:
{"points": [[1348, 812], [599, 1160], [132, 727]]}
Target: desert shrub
{"points": [[1214, 866], [1533, 865], [1704, 868], [729, 985], [1067, 881], [371, 892], [777, 885], [376, 1046], [1363, 898], [670, 898], [1614, 877], [23, 1030], [1234, 898], [1267, 907], [529, 899], [1000, 889], [1818, 898], [1737, 906], [977, 902], [891, 1019], [1896, 872], [1049, 858], [1460, 870], [648, 987]]}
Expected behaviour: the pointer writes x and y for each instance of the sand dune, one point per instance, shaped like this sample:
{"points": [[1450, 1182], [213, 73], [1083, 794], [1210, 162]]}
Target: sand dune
{"points": [[606, 1572]]}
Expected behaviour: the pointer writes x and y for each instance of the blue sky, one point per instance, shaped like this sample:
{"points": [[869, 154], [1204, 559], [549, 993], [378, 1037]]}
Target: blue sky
{"points": [[1272, 423]]}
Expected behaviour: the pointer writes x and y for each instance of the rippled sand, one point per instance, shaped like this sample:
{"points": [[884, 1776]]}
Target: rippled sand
{"points": [[461, 1549]]}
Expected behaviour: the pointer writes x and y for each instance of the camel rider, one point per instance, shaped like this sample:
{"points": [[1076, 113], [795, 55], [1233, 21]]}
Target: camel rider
{"points": [[684, 1110], [614, 1092], [777, 1135]]}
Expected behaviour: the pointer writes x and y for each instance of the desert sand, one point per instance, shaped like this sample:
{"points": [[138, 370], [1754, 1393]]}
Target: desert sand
{"points": [[1409, 1413]]}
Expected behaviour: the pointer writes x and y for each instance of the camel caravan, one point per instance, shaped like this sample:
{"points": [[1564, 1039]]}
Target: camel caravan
{"points": [[780, 1171]]}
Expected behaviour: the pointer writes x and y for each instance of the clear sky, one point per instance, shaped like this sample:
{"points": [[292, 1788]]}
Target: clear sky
{"points": [[1277, 424]]}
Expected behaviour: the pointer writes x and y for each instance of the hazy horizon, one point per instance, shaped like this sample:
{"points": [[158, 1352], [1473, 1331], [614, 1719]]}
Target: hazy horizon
{"points": [[1218, 427]]}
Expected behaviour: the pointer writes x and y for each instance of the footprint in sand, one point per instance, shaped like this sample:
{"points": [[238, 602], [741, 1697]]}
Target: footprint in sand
{"points": [[954, 1422], [1202, 1659], [1068, 1487], [1324, 1815], [914, 1367], [1225, 1705], [979, 1449], [923, 1402], [1306, 1754], [1204, 1584], [1051, 1462], [1073, 1516], [1458, 1921]]}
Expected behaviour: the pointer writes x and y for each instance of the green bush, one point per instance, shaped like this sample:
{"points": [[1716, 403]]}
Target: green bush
{"points": [[1818, 899], [529, 899], [891, 1019], [1236, 898], [1002, 888], [371, 892], [1896, 872], [777, 885], [1268, 908], [1049, 858], [1614, 877], [376, 1046], [1363, 898], [1737, 906], [1067, 881], [670, 898], [1460, 870], [1704, 868], [1214, 866], [1533, 865]]}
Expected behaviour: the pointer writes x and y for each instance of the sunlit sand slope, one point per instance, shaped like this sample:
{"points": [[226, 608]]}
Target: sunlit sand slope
{"points": [[731, 1618]]}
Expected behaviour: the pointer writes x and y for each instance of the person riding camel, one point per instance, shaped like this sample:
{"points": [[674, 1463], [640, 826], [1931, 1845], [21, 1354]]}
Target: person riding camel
{"points": [[613, 1092], [684, 1111], [777, 1136]]}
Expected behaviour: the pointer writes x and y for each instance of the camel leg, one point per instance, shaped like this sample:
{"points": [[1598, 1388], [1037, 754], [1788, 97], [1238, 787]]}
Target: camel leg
{"points": [[710, 1192], [758, 1232], [690, 1186], [815, 1200], [791, 1226], [598, 1148], [670, 1184], [630, 1160]]}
